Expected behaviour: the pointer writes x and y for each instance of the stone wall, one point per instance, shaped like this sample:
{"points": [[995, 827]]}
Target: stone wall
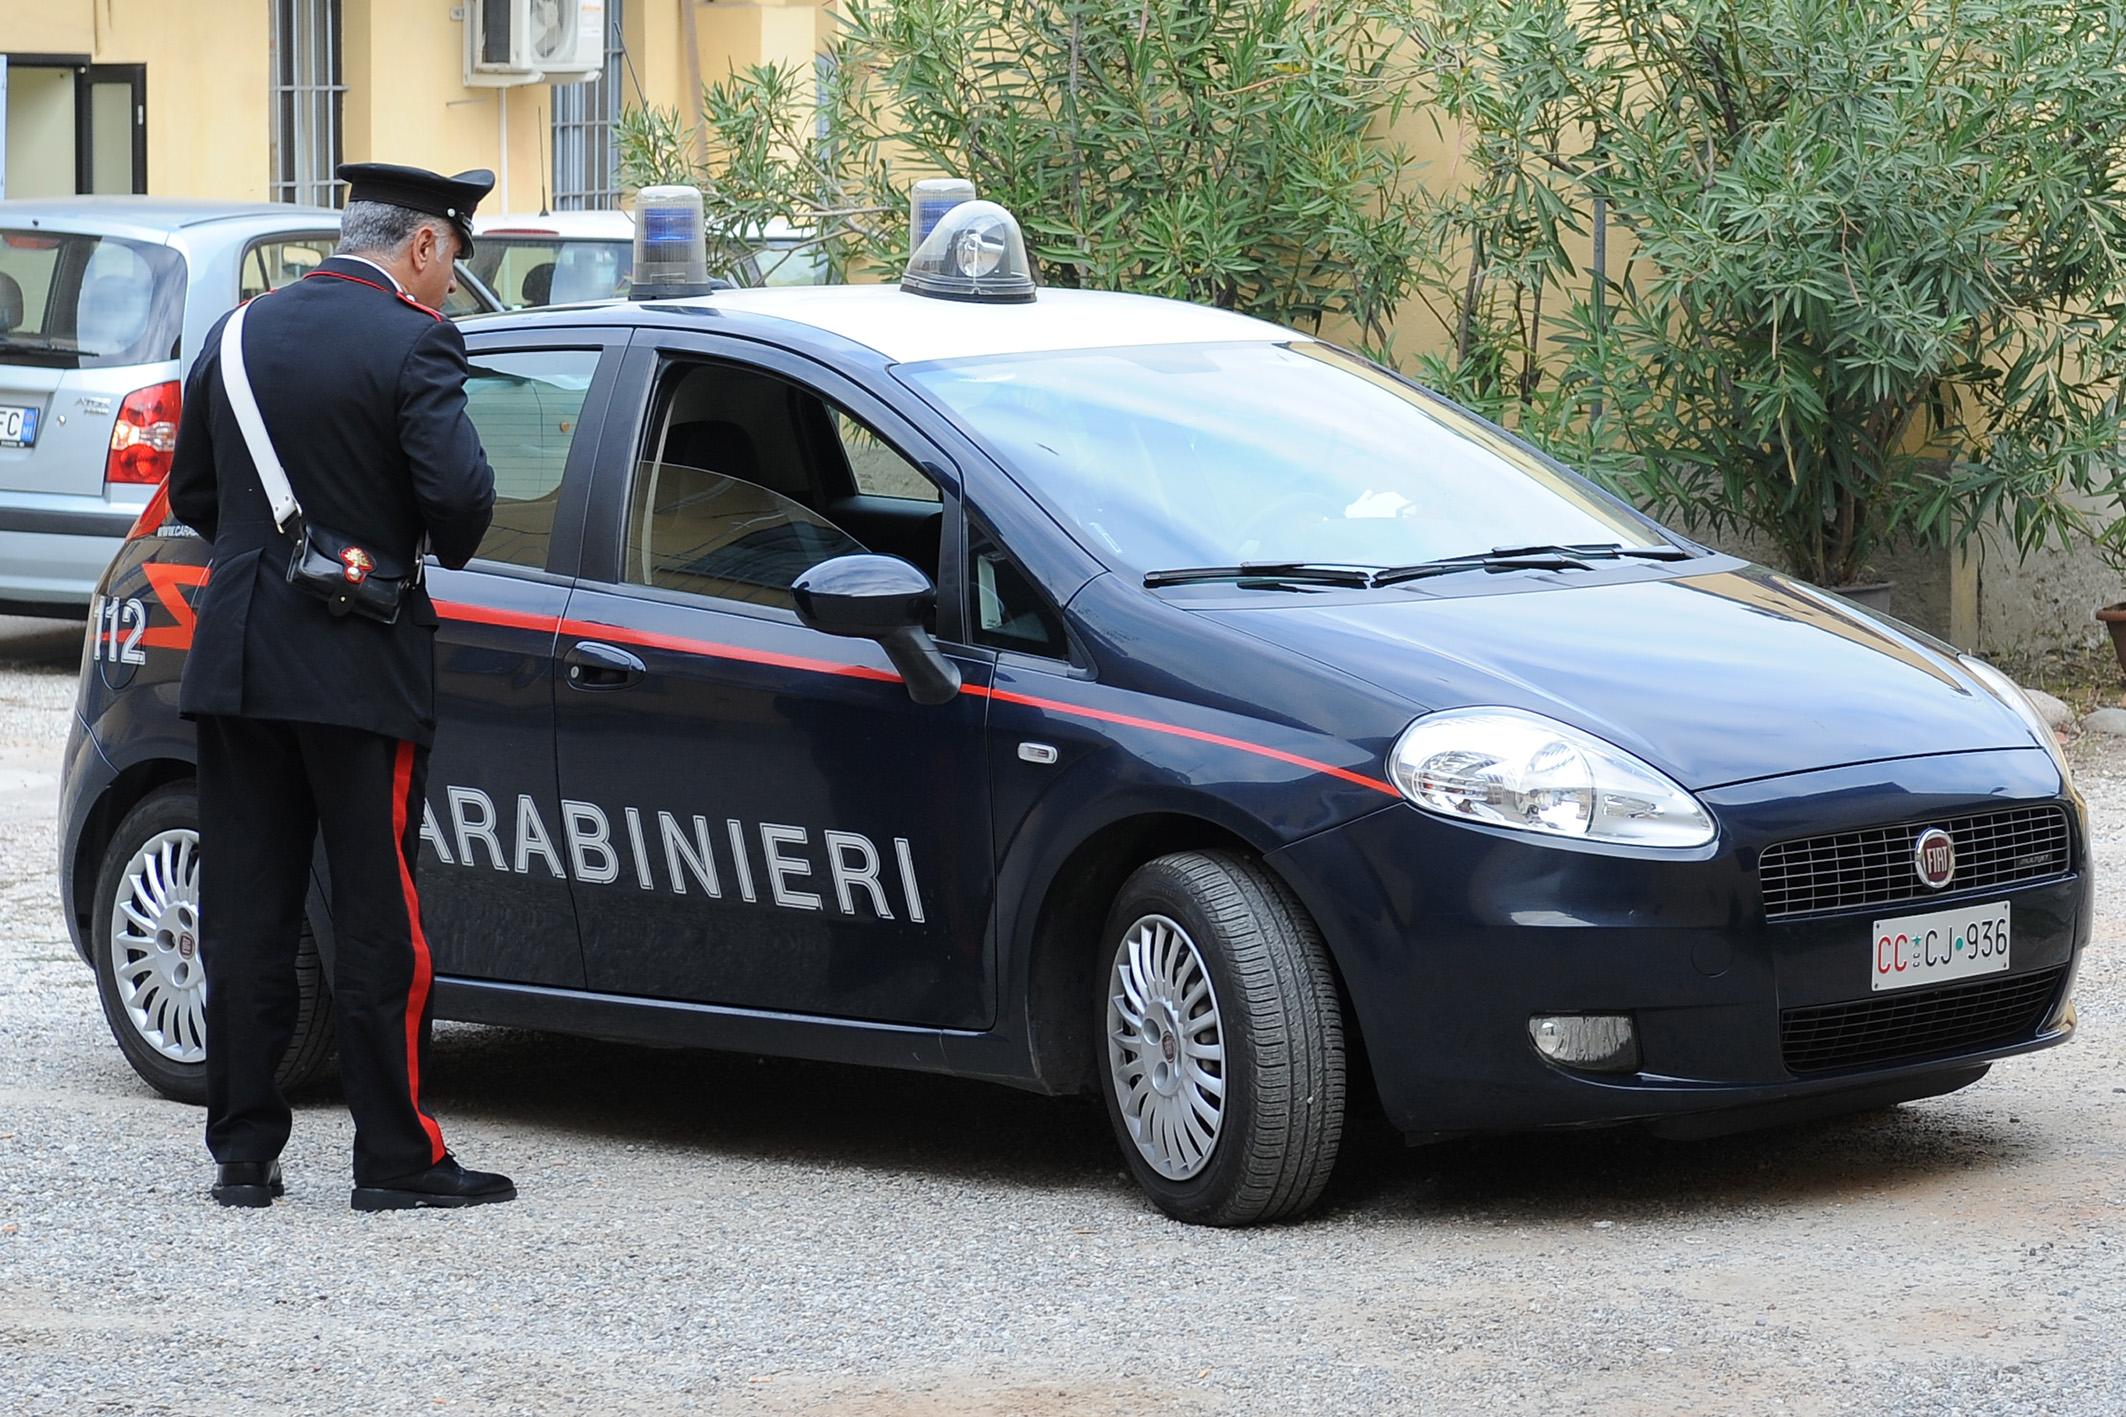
{"points": [[2016, 612], [2043, 606]]}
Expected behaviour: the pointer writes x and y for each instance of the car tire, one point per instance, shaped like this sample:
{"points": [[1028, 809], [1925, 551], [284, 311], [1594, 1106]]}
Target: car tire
{"points": [[1216, 995], [144, 950]]}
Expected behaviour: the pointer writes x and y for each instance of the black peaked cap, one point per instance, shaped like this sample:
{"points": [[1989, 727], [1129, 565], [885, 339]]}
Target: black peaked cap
{"points": [[418, 189]]}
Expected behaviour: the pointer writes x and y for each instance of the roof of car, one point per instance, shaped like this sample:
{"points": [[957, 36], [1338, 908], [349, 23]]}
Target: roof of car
{"points": [[595, 225], [601, 225], [910, 329], [153, 213]]}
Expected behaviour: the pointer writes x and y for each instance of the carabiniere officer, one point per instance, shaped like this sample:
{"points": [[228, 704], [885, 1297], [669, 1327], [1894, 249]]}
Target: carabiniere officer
{"points": [[315, 724]]}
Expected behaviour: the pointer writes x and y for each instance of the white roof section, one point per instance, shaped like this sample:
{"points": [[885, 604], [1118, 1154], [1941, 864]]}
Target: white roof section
{"points": [[910, 329], [599, 225], [569, 226]]}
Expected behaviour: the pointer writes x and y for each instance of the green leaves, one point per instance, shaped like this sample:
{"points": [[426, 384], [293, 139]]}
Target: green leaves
{"points": [[1213, 150], [1839, 271], [1874, 254]]}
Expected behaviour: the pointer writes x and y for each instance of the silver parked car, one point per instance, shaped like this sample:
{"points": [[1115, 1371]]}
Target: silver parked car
{"points": [[104, 302]]}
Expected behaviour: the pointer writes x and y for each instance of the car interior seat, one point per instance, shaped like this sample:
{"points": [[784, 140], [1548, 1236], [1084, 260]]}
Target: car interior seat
{"points": [[713, 445], [538, 285], [11, 305]]}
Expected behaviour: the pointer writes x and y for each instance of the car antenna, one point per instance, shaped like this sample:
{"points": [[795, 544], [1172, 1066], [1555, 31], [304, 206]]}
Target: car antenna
{"points": [[540, 130]]}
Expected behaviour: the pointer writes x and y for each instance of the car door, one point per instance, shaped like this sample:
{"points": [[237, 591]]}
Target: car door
{"points": [[756, 814], [493, 905]]}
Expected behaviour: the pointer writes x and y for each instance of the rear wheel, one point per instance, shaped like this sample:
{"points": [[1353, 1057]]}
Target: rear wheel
{"points": [[1222, 1040], [146, 955]]}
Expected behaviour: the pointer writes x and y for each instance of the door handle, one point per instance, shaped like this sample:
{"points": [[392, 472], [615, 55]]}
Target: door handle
{"points": [[592, 665]]}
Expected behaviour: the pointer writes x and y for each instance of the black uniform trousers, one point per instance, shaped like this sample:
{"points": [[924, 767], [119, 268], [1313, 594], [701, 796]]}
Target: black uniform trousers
{"points": [[267, 790]]}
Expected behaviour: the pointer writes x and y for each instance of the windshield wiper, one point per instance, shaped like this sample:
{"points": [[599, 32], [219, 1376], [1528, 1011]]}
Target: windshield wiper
{"points": [[1498, 558], [45, 344], [1301, 572], [1529, 558], [1596, 550]]}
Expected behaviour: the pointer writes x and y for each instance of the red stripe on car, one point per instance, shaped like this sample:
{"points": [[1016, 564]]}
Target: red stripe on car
{"points": [[680, 644]]}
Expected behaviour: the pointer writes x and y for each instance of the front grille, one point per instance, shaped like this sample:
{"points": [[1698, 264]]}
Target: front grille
{"points": [[1895, 1027], [1874, 867]]}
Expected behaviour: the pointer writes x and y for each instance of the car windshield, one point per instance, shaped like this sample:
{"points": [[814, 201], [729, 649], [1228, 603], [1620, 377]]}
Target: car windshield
{"points": [[537, 269], [1218, 454], [78, 301]]}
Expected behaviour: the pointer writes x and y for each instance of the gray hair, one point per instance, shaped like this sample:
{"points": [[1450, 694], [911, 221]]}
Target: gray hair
{"points": [[381, 229]]}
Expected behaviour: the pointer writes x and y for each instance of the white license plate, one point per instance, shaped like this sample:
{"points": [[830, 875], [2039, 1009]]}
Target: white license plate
{"points": [[1939, 946], [18, 427]]}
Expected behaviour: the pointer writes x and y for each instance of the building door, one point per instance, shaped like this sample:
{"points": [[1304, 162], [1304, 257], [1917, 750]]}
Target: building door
{"points": [[72, 127]]}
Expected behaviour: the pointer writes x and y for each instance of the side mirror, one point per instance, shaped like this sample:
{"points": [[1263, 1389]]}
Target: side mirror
{"points": [[880, 598]]}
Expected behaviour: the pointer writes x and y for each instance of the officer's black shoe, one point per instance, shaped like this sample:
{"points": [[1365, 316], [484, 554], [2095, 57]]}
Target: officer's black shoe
{"points": [[445, 1184], [247, 1183]]}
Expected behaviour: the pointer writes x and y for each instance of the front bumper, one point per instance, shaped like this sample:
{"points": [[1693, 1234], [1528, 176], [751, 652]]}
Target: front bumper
{"points": [[1450, 937]]}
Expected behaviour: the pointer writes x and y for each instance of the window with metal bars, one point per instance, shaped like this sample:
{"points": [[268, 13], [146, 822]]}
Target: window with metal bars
{"points": [[586, 156], [307, 95]]}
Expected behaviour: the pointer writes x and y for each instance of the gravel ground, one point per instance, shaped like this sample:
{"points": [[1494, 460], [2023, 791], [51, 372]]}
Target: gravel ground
{"points": [[703, 1233]]}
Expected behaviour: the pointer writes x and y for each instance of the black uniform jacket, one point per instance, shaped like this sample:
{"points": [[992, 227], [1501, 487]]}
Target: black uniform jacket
{"points": [[363, 394]]}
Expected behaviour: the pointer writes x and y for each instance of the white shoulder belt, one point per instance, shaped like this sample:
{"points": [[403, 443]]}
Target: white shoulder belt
{"points": [[237, 384]]}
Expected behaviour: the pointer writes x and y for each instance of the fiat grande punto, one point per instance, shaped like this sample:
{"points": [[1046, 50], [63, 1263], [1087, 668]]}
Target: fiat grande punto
{"points": [[1093, 693]]}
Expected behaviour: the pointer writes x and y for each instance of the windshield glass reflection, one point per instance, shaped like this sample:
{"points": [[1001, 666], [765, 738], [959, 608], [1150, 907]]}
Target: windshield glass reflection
{"points": [[1207, 455]]}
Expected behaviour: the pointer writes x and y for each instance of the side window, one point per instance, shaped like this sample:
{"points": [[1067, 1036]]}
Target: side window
{"points": [[1008, 612], [269, 265], [527, 406], [877, 469], [749, 479], [700, 531], [460, 302]]}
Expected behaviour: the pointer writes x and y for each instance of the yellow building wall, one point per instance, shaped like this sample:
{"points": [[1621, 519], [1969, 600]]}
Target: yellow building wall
{"points": [[209, 91], [206, 80], [404, 67], [210, 107], [734, 36], [653, 31]]}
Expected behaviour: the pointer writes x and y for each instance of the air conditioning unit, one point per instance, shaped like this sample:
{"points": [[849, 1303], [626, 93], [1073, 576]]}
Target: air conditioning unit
{"points": [[512, 42]]}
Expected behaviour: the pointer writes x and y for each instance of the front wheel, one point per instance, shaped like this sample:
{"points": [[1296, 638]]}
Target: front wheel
{"points": [[1222, 1040], [146, 955]]}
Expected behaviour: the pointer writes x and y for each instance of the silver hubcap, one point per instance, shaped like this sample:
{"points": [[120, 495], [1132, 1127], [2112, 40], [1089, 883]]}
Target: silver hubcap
{"points": [[1166, 1047], [155, 946]]}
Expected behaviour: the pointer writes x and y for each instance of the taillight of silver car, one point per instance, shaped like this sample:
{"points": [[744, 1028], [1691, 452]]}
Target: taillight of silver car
{"points": [[144, 435]]}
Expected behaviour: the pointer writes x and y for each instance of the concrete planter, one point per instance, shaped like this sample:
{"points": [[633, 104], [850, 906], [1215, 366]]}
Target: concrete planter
{"points": [[2114, 618], [1873, 596]]}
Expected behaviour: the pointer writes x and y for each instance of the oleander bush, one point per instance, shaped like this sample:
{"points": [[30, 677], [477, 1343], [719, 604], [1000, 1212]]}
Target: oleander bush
{"points": [[1225, 151], [1841, 272]]}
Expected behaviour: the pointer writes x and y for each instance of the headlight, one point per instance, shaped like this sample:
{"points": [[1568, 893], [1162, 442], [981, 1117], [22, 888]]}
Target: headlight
{"points": [[1510, 768], [2011, 694]]}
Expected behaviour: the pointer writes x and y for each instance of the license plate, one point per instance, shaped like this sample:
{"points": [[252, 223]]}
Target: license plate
{"points": [[18, 427], [1940, 946]]}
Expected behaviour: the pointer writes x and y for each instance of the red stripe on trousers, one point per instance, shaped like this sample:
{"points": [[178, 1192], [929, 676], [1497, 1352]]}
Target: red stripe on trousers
{"points": [[423, 970]]}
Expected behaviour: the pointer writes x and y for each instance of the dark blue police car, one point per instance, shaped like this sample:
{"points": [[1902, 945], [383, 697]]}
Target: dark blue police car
{"points": [[1089, 692]]}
